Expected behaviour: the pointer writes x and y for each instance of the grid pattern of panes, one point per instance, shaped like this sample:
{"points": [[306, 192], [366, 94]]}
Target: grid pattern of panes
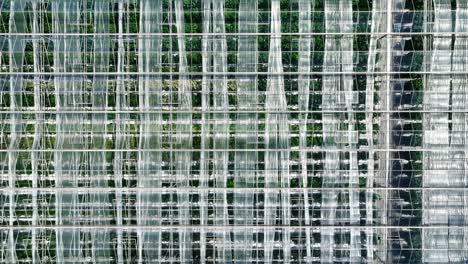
{"points": [[243, 131]]}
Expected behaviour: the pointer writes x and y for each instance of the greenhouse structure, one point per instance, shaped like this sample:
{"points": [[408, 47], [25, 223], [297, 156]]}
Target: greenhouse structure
{"points": [[233, 131]]}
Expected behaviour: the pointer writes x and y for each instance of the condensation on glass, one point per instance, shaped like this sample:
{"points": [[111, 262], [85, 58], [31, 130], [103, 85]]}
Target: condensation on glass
{"points": [[233, 131]]}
